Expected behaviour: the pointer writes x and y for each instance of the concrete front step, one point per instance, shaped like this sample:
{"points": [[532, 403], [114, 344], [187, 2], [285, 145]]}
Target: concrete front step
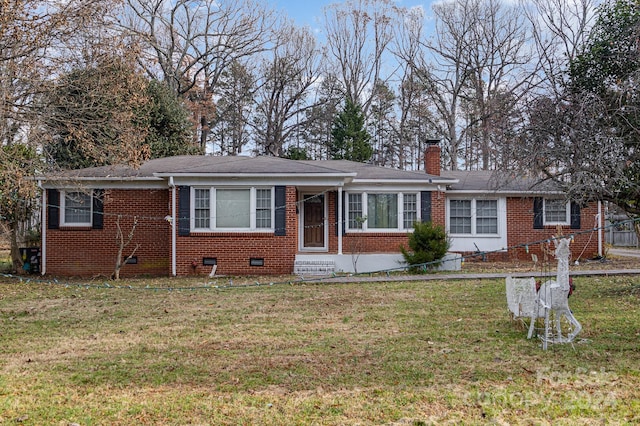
{"points": [[314, 267]]}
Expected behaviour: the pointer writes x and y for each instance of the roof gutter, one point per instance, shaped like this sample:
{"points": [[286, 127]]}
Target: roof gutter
{"points": [[257, 175], [504, 193], [433, 180], [67, 179]]}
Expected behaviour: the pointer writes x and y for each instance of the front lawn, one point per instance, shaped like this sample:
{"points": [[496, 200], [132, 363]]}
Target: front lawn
{"points": [[405, 353]]}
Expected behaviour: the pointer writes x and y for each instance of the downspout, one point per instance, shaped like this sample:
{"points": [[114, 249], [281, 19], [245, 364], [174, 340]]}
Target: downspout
{"points": [[600, 229], [340, 220], [173, 226], [43, 231]]}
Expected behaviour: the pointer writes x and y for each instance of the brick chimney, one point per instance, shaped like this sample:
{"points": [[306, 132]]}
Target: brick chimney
{"points": [[432, 157]]}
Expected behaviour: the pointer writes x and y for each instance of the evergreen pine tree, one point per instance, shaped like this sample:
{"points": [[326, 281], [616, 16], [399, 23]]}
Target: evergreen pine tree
{"points": [[350, 139]]}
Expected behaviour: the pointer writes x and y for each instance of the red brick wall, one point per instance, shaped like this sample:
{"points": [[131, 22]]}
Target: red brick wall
{"points": [[233, 250], [523, 240], [89, 252], [438, 212], [520, 230], [377, 242], [432, 160]]}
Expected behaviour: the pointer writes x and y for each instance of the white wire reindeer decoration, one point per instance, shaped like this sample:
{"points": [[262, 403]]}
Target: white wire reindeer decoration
{"points": [[551, 300]]}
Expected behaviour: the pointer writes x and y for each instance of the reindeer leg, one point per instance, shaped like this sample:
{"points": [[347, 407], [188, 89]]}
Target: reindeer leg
{"points": [[531, 326], [558, 317], [545, 341], [576, 327]]}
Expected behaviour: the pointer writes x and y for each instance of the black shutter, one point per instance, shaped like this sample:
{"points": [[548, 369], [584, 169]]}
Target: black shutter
{"points": [[53, 209], [575, 215], [537, 213], [281, 211], [425, 206], [98, 208], [184, 211]]}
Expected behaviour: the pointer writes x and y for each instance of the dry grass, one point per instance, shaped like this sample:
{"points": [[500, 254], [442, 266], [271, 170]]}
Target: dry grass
{"points": [[610, 262], [404, 353]]}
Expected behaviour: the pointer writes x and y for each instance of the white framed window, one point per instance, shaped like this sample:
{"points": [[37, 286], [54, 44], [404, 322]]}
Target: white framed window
{"points": [[460, 216], [355, 212], [76, 208], [380, 211], [486, 216], [556, 211], [232, 209], [264, 208], [473, 217], [202, 208], [409, 210]]}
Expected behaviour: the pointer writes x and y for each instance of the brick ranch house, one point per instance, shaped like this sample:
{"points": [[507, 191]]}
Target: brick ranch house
{"points": [[267, 215]]}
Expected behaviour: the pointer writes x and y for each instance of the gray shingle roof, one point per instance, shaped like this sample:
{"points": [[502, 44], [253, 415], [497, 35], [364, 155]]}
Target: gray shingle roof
{"points": [[366, 172], [497, 181], [207, 165], [240, 165], [202, 165]]}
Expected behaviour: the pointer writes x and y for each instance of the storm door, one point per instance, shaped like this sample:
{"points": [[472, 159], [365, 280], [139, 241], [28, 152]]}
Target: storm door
{"points": [[313, 235]]}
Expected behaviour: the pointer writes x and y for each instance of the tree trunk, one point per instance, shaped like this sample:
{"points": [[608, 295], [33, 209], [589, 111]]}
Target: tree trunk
{"points": [[122, 244], [16, 259]]}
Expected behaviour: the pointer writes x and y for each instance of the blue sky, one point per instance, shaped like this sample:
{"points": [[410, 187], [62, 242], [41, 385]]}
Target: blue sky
{"points": [[309, 12]]}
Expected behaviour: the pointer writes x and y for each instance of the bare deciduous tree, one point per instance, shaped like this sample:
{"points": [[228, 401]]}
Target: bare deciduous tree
{"points": [[382, 122], [235, 93], [479, 52], [559, 29], [501, 71], [123, 242], [443, 76], [583, 135], [358, 36], [189, 44], [287, 77], [33, 36], [317, 123], [414, 125]]}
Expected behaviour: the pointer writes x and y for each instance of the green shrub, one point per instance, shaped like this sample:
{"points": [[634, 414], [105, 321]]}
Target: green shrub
{"points": [[427, 246]]}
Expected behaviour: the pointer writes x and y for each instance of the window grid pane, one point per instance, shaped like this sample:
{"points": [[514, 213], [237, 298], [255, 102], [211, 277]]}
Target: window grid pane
{"points": [[232, 208], [410, 210], [382, 211], [460, 215], [77, 207], [487, 217], [263, 208], [555, 210], [355, 211], [202, 208]]}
